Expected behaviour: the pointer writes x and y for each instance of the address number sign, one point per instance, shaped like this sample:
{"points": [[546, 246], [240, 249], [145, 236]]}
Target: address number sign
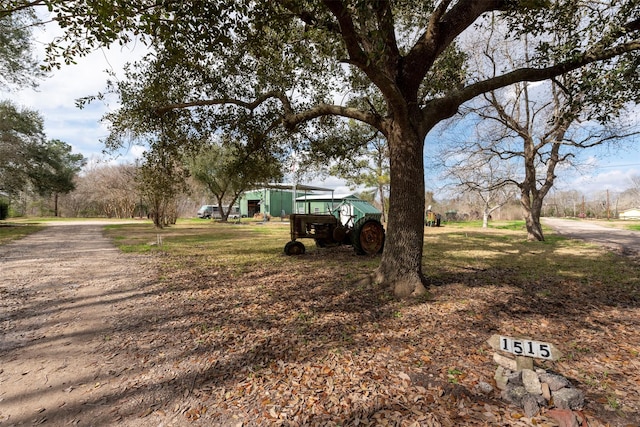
{"points": [[523, 347]]}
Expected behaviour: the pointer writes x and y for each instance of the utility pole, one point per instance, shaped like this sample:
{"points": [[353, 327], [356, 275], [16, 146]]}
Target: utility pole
{"points": [[608, 210]]}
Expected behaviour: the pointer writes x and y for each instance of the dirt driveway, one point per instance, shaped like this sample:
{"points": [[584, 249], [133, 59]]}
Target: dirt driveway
{"points": [[63, 292], [625, 242]]}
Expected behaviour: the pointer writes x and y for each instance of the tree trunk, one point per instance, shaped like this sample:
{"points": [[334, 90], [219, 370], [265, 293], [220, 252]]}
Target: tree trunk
{"points": [[401, 264], [55, 204], [485, 217], [532, 207]]}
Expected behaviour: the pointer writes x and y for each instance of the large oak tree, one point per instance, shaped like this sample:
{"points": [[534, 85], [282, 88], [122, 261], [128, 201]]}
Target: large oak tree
{"points": [[315, 61]]}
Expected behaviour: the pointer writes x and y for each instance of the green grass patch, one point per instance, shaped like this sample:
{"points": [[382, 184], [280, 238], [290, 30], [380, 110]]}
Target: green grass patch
{"points": [[11, 231], [510, 225], [231, 244], [505, 258], [467, 254]]}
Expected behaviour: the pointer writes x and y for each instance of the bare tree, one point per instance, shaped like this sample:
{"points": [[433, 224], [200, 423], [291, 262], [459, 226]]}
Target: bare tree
{"points": [[485, 177], [104, 190], [635, 188], [538, 126]]}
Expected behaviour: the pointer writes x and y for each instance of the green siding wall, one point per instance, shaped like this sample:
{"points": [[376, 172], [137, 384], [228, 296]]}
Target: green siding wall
{"points": [[275, 202]]}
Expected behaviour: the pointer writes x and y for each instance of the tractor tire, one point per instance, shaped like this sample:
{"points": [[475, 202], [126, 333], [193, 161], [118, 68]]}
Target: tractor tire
{"points": [[368, 237], [339, 233], [294, 248]]}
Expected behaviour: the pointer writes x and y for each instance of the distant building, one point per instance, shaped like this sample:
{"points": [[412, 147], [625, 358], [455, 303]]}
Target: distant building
{"points": [[630, 214], [278, 200], [273, 199]]}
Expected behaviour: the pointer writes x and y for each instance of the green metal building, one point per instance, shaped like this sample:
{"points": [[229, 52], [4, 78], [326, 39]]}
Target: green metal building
{"points": [[274, 199], [278, 200]]}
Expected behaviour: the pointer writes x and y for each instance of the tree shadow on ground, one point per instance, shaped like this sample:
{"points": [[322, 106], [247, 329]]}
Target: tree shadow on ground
{"points": [[308, 343]]}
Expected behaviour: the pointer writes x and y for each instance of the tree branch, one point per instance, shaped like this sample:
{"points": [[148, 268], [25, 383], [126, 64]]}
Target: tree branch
{"points": [[309, 18], [289, 118], [444, 26], [357, 47], [352, 41], [251, 106], [292, 120], [527, 74], [8, 10]]}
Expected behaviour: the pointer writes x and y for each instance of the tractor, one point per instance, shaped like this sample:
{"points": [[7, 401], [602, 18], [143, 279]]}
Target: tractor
{"points": [[341, 226]]}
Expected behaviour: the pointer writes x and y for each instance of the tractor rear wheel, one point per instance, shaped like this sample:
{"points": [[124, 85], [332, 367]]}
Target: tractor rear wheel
{"points": [[294, 248], [368, 237]]}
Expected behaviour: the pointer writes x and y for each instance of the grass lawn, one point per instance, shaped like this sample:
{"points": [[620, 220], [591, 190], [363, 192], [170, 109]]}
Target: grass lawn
{"points": [[266, 339]]}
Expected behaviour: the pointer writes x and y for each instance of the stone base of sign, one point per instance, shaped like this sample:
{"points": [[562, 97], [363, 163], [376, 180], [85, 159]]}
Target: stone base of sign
{"points": [[533, 390], [525, 387]]}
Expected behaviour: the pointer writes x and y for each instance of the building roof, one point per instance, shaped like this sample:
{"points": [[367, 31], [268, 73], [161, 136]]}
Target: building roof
{"points": [[326, 197], [289, 186], [365, 207]]}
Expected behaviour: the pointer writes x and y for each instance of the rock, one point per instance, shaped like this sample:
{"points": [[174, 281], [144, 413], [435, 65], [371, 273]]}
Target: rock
{"points": [[501, 378], [531, 382], [514, 394], [483, 388], [530, 405], [514, 378], [505, 361], [556, 382], [532, 390], [568, 398], [564, 417], [542, 402], [546, 391]]}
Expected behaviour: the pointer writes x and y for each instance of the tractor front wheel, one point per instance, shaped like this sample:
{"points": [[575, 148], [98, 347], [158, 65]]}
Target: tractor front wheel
{"points": [[368, 237], [294, 248]]}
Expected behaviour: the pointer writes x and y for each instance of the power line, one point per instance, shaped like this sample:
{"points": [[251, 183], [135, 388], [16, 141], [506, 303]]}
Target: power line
{"points": [[616, 166]]}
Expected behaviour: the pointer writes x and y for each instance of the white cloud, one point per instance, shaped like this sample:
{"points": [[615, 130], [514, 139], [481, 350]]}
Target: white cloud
{"points": [[615, 178]]}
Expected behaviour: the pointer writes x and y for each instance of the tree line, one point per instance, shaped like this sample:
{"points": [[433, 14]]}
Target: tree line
{"points": [[475, 206]]}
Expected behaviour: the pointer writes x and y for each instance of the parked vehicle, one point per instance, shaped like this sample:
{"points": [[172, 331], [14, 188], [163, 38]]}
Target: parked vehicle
{"points": [[213, 211]]}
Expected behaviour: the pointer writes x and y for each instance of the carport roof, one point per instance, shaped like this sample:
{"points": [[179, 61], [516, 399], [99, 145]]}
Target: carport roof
{"points": [[289, 186]]}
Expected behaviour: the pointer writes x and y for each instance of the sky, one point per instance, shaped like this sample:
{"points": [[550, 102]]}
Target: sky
{"points": [[55, 99]]}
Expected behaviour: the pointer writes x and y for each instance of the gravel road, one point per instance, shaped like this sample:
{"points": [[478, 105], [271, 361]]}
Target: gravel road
{"points": [[624, 242], [62, 293]]}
